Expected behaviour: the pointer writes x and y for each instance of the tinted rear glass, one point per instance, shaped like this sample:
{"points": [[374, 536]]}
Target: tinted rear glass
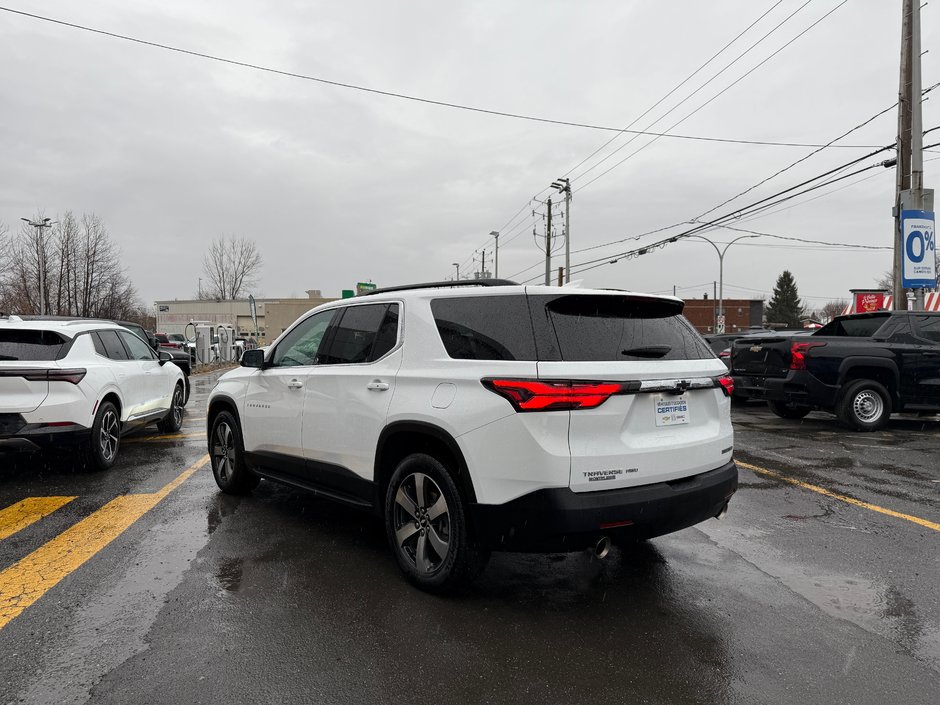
{"points": [[113, 346], [354, 337], [485, 327], [863, 327], [607, 328], [929, 327], [30, 345]]}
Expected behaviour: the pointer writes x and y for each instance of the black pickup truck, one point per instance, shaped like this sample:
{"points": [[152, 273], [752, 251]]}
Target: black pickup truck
{"points": [[862, 368]]}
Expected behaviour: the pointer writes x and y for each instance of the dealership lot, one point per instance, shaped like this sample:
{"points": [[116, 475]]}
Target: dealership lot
{"points": [[146, 585]]}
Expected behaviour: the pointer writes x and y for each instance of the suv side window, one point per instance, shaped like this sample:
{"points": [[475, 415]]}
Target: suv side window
{"points": [[485, 327], [362, 334], [300, 346], [113, 348], [138, 349], [928, 328]]}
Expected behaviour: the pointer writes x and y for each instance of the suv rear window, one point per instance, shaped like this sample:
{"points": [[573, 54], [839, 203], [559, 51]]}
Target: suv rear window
{"points": [[30, 345], [862, 327], [607, 328], [485, 327]]}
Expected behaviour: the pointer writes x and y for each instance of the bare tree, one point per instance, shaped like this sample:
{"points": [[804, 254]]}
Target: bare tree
{"points": [[82, 268], [231, 266], [832, 309]]}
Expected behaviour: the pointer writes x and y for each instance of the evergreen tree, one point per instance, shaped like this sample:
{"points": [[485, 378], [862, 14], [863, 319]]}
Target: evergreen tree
{"points": [[785, 307]]}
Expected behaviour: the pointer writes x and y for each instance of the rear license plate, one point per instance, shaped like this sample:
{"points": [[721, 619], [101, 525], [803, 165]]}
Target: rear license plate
{"points": [[672, 410]]}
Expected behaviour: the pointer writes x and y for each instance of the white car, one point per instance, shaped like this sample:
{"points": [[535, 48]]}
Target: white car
{"points": [[486, 416], [84, 383]]}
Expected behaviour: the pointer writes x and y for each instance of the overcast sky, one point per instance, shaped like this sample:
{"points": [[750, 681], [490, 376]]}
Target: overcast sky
{"points": [[339, 186]]}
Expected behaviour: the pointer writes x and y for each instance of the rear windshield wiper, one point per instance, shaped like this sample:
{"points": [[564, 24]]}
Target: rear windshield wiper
{"points": [[651, 351]]}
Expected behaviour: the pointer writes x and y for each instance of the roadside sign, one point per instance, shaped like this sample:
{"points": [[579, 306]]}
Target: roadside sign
{"points": [[720, 325], [919, 250], [362, 287]]}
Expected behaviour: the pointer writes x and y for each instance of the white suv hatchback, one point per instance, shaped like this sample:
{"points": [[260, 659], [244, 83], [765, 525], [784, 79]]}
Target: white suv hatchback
{"points": [[82, 383], [486, 416]]}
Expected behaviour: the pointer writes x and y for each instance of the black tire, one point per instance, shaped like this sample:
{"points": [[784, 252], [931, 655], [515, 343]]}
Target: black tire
{"points": [[173, 421], [432, 542], [227, 455], [865, 405], [788, 410], [105, 439]]}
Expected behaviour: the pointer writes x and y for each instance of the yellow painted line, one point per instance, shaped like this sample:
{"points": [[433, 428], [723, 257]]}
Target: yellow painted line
{"points": [[18, 516], [27, 580], [841, 497], [165, 437]]}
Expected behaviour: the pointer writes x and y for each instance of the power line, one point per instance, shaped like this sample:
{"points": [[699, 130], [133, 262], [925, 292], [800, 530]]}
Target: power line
{"points": [[697, 90], [404, 96], [677, 87], [724, 90]]}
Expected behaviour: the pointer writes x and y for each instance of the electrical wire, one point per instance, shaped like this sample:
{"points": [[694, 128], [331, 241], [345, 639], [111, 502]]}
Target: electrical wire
{"points": [[678, 86], [714, 97], [392, 94]]}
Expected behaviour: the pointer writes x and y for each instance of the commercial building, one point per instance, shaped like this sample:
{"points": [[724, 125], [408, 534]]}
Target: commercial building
{"points": [[740, 314], [274, 315]]}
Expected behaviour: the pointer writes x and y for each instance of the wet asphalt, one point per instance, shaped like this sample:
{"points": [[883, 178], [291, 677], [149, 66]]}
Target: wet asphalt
{"points": [[795, 597]]}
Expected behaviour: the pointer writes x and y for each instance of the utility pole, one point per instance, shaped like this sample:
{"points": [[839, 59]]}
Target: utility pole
{"points": [[496, 258], [564, 186], [199, 288], [903, 181], [910, 192], [548, 245], [41, 253]]}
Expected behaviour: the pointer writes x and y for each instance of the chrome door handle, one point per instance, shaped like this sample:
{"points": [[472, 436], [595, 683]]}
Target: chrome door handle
{"points": [[295, 384], [377, 386]]}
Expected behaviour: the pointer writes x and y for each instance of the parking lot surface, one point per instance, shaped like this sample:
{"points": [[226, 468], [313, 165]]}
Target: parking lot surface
{"points": [[146, 585]]}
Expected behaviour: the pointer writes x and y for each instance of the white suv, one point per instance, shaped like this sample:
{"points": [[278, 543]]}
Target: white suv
{"points": [[82, 383], [487, 416]]}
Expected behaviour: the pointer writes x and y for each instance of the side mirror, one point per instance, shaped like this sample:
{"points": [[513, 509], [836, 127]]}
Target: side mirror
{"points": [[253, 358], [165, 357]]}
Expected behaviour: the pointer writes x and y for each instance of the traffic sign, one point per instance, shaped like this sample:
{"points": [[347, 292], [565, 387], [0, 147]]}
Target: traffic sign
{"points": [[919, 245], [720, 325]]}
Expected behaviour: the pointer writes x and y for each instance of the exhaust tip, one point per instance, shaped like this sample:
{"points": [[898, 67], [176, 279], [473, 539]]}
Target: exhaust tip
{"points": [[723, 513], [602, 548]]}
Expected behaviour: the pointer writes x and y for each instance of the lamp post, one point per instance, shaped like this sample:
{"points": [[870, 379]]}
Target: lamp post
{"points": [[495, 236], [457, 265], [39, 225], [721, 273]]}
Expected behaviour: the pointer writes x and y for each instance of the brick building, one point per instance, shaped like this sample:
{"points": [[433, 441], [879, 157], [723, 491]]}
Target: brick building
{"points": [[740, 314]]}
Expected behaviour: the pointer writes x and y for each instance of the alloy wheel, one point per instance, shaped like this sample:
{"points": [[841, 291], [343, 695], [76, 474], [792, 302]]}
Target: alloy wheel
{"points": [[178, 407], [110, 436], [422, 522], [223, 450]]}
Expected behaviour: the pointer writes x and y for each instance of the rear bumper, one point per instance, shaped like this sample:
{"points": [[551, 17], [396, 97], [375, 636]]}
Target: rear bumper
{"points": [[558, 519], [798, 387], [30, 440]]}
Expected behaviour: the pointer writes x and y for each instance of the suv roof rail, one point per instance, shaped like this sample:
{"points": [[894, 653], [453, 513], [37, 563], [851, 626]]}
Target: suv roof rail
{"points": [[442, 285]]}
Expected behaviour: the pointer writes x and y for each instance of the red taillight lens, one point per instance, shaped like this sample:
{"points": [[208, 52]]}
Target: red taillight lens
{"points": [[727, 385], [556, 395], [798, 354], [74, 376]]}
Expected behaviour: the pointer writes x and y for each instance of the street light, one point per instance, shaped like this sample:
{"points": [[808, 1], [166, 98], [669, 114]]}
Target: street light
{"points": [[721, 273], [494, 234], [39, 225], [458, 270]]}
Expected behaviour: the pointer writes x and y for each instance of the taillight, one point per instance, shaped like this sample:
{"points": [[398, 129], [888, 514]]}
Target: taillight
{"points": [[554, 395], [727, 385], [74, 376], [798, 354]]}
